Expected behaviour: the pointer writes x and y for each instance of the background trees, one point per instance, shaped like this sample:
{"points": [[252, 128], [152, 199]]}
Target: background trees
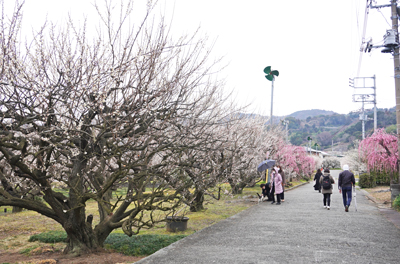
{"points": [[325, 138], [353, 159], [294, 161], [248, 142], [331, 163]]}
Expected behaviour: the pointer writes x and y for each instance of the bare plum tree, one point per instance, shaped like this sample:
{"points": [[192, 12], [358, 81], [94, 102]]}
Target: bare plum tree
{"points": [[122, 110], [247, 143]]}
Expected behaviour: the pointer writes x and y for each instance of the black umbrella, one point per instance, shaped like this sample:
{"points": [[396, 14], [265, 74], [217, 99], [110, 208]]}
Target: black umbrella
{"points": [[266, 164]]}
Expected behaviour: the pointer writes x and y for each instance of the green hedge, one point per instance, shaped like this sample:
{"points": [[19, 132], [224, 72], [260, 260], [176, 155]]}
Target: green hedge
{"points": [[141, 245], [381, 178], [372, 179], [396, 203], [367, 181]]}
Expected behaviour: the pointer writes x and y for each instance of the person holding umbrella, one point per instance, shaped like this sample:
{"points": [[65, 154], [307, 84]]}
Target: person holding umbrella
{"points": [[346, 182]]}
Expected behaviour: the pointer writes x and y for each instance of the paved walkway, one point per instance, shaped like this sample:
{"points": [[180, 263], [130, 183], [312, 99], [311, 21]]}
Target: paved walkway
{"points": [[299, 230]]}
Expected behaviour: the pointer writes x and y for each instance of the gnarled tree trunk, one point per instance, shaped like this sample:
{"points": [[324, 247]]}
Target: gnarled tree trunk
{"points": [[197, 203]]}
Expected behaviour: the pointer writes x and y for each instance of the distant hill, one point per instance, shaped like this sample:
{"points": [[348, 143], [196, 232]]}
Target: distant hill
{"points": [[330, 131], [310, 113], [335, 132]]}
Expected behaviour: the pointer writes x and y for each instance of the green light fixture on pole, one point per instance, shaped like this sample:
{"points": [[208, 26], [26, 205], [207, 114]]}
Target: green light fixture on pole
{"points": [[309, 143], [270, 75], [316, 146]]}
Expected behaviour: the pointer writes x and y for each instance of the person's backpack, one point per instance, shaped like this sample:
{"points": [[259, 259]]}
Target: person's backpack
{"points": [[326, 183]]}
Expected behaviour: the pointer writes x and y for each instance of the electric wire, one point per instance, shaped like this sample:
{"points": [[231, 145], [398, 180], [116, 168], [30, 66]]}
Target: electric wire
{"points": [[363, 36], [379, 10], [355, 37]]}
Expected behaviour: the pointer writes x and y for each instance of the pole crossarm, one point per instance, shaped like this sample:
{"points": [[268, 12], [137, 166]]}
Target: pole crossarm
{"points": [[364, 98], [356, 85], [380, 6]]}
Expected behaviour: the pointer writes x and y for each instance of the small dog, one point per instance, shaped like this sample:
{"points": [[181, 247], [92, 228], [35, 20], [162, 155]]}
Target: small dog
{"points": [[260, 198]]}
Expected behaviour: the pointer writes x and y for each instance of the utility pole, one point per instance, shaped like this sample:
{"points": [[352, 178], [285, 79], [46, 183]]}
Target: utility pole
{"points": [[391, 45], [395, 26], [375, 114], [363, 116]]}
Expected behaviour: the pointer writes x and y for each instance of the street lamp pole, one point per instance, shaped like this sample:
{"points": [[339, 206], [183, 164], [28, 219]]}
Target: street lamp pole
{"points": [[272, 99], [270, 75]]}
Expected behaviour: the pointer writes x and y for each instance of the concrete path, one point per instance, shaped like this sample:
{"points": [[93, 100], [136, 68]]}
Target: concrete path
{"points": [[299, 230]]}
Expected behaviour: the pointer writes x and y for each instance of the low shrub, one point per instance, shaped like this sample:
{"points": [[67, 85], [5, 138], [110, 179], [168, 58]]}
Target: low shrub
{"points": [[141, 245], [367, 180], [396, 203]]}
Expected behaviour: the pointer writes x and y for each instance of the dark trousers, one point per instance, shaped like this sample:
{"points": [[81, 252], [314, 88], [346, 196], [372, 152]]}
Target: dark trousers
{"points": [[272, 193], [278, 197], [327, 199], [283, 193], [346, 194]]}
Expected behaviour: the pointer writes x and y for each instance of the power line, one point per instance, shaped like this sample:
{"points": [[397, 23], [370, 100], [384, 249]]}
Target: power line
{"points": [[363, 37], [379, 10]]}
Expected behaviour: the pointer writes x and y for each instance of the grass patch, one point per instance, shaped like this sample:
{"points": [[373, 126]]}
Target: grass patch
{"points": [[50, 237], [28, 250]]}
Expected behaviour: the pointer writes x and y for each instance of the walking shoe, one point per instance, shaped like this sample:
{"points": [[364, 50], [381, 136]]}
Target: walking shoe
{"points": [[278, 203], [329, 208], [324, 206], [282, 200], [347, 208], [272, 202]]}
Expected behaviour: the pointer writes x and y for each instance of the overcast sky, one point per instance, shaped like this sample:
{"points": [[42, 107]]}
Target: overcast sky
{"points": [[314, 44]]}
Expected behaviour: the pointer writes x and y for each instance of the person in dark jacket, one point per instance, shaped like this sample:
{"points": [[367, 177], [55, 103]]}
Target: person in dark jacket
{"points": [[346, 182], [265, 192], [317, 176]]}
